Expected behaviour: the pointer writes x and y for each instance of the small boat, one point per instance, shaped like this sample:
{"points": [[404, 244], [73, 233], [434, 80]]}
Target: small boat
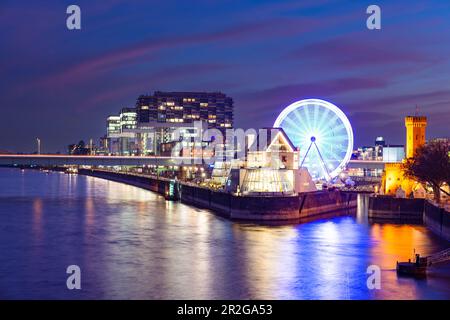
{"points": [[71, 170], [415, 269], [172, 191]]}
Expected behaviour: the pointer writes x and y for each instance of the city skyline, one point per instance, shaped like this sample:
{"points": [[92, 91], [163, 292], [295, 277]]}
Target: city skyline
{"points": [[225, 156], [257, 57]]}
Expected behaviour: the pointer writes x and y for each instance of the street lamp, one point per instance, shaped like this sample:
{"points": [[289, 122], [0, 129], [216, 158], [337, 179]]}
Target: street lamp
{"points": [[39, 145]]}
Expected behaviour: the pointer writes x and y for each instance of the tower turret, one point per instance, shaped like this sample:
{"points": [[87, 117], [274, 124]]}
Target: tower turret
{"points": [[415, 133]]}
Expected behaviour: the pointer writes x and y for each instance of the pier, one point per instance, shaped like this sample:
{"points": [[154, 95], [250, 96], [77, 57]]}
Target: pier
{"points": [[240, 207]]}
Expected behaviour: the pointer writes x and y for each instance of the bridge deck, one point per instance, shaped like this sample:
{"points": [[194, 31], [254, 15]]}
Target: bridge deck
{"points": [[60, 160]]}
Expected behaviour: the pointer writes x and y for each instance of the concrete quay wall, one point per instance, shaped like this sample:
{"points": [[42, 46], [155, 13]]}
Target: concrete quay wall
{"points": [[255, 208], [285, 207], [144, 182], [403, 210], [388, 208], [437, 220]]}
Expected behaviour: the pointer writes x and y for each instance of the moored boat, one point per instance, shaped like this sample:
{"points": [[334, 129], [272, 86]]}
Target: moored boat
{"points": [[415, 269]]}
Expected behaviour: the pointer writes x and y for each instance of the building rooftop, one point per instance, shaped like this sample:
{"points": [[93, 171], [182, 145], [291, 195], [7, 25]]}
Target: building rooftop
{"points": [[263, 142]]}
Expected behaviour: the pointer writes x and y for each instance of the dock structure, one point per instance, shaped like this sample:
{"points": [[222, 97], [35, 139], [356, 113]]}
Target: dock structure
{"points": [[239, 207], [419, 267], [49, 160], [440, 257]]}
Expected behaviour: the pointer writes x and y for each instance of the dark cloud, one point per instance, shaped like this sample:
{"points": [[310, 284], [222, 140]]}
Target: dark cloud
{"points": [[326, 88], [405, 102], [355, 51], [265, 54]]}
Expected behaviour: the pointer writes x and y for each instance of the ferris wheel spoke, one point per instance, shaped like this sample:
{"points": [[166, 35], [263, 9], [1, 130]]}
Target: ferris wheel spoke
{"points": [[342, 138], [333, 156], [296, 137], [331, 130], [339, 127], [307, 117], [302, 119], [316, 117], [328, 152], [291, 128], [291, 124], [324, 116], [316, 122]]}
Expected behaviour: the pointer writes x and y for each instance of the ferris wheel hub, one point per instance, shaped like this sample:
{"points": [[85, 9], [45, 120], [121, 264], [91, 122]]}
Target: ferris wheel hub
{"points": [[313, 139]]}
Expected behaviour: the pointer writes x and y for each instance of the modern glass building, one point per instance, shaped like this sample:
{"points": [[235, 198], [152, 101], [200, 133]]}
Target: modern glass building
{"points": [[215, 108], [120, 133], [148, 128], [160, 114]]}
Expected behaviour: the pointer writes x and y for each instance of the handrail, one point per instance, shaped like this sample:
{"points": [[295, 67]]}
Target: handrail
{"points": [[439, 257]]}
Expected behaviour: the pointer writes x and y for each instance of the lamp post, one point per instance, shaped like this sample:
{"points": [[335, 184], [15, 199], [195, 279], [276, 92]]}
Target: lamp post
{"points": [[39, 145]]}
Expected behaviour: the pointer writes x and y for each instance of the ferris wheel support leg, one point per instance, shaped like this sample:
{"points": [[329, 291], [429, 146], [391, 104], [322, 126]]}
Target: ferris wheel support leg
{"points": [[323, 162], [301, 164]]}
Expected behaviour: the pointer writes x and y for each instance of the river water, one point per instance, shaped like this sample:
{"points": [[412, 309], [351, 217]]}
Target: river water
{"points": [[132, 244]]}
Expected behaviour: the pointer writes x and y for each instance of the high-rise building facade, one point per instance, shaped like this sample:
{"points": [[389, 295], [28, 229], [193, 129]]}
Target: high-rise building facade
{"points": [[128, 119], [160, 114], [113, 128], [215, 108], [120, 133], [152, 123]]}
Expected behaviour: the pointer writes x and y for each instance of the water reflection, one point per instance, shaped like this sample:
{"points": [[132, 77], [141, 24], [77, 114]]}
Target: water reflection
{"points": [[130, 243], [37, 218]]}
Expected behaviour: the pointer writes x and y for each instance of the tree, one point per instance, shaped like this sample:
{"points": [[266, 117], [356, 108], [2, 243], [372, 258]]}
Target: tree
{"points": [[431, 165], [78, 149]]}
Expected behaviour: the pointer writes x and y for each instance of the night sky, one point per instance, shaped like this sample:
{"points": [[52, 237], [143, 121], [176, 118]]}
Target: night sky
{"points": [[60, 85]]}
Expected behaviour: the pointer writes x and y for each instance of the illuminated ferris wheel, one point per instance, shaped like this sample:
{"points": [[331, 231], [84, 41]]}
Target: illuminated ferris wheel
{"points": [[323, 134]]}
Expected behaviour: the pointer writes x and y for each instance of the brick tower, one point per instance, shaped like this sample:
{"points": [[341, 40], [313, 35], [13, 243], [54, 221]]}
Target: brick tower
{"points": [[415, 133]]}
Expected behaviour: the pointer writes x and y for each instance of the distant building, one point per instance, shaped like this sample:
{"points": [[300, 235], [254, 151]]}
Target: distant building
{"points": [[103, 148], [415, 133], [394, 178], [379, 141], [379, 147], [215, 108], [113, 127], [380, 151], [393, 153], [128, 119], [79, 148], [149, 128], [160, 114], [121, 135]]}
